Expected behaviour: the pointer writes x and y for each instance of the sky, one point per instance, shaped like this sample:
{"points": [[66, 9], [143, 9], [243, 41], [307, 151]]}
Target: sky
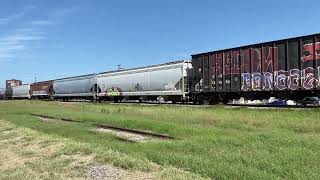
{"points": [[45, 39]]}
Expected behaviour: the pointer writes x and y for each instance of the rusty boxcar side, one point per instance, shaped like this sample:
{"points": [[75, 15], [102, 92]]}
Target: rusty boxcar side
{"points": [[41, 90]]}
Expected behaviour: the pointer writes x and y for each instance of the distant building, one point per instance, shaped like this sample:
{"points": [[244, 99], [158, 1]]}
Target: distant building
{"points": [[12, 83]]}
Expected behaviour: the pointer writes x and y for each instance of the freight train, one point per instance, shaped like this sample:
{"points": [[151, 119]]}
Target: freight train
{"points": [[285, 69], [167, 81]]}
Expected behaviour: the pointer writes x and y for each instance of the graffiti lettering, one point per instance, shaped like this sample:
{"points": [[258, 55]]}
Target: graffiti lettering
{"points": [[246, 85], [281, 80], [138, 87], [317, 50], [263, 68], [308, 80], [267, 59], [267, 81], [307, 52], [293, 79], [256, 81], [112, 92]]}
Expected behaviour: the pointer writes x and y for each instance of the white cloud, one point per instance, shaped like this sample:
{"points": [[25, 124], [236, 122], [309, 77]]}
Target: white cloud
{"points": [[29, 7], [5, 20], [21, 39], [63, 12], [41, 23], [11, 45], [17, 15], [7, 52], [31, 31], [4, 56], [4, 50]]}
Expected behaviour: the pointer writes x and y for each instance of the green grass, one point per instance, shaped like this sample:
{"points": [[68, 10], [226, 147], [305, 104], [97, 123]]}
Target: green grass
{"points": [[212, 142]]}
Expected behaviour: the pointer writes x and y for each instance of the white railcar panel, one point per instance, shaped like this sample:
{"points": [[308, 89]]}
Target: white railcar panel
{"points": [[2, 93], [40, 93], [22, 91], [155, 81], [166, 80], [73, 87]]}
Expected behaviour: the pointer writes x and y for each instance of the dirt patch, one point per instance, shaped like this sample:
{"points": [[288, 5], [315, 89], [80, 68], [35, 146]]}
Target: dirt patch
{"points": [[45, 119], [137, 132], [104, 172], [124, 135]]}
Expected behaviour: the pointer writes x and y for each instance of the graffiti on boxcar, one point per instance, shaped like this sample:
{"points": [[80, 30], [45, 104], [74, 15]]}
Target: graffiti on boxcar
{"points": [[308, 78], [293, 79], [280, 79], [259, 68], [256, 69], [267, 81], [267, 68], [113, 91], [246, 81], [310, 50], [138, 87], [256, 81]]}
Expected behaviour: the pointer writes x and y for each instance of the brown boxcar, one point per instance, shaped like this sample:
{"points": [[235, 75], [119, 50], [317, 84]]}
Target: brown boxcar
{"points": [[287, 69], [12, 83], [41, 90]]}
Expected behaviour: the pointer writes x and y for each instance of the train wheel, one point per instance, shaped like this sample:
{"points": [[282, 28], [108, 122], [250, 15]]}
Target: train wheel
{"points": [[225, 101], [213, 100], [205, 102], [202, 100], [194, 101]]}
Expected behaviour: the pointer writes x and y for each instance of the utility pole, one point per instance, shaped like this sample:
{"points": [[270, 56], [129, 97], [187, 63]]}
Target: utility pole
{"points": [[35, 79], [119, 67]]}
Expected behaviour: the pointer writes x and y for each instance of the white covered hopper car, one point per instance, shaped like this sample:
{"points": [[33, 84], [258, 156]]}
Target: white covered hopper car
{"points": [[2, 94], [74, 87], [165, 81], [21, 92]]}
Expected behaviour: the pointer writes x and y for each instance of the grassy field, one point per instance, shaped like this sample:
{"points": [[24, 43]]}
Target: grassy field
{"points": [[212, 142]]}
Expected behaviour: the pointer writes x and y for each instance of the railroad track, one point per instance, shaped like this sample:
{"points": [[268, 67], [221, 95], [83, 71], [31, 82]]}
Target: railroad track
{"points": [[105, 126], [185, 104], [272, 106]]}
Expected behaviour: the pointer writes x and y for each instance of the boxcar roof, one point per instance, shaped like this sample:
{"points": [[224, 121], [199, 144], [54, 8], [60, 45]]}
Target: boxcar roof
{"points": [[42, 82], [122, 70], [143, 67], [256, 44], [87, 75], [21, 85]]}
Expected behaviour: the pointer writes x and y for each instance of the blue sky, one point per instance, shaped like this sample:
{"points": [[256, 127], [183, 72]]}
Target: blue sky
{"points": [[53, 39]]}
